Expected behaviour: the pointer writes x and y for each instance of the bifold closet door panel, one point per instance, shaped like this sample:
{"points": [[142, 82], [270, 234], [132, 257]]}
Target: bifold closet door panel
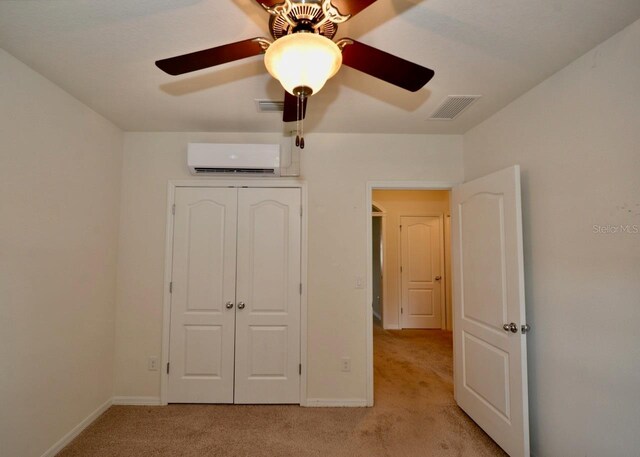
{"points": [[268, 296], [204, 281]]}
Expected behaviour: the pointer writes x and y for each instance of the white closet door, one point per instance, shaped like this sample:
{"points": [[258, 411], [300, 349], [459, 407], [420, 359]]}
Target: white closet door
{"points": [[204, 269], [268, 296]]}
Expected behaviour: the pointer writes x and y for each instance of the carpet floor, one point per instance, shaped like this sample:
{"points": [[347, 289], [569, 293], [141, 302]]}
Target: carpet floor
{"points": [[414, 415]]}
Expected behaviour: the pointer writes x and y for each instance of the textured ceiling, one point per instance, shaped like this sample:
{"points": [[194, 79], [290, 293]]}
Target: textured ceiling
{"points": [[103, 53]]}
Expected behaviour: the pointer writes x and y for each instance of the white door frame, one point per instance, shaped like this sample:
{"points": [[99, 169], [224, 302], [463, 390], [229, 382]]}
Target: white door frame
{"points": [[388, 185], [168, 263]]}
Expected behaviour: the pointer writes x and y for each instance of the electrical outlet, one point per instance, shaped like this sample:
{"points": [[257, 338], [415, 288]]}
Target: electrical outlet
{"points": [[152, 364], [346, 364]]}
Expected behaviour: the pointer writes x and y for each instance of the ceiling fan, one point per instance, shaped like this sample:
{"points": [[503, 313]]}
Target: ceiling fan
{"points": [[303, 55]]}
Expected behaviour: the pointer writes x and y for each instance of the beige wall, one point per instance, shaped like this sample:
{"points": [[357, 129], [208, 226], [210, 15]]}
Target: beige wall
{"points": [[398, 203], [577, 140], [336, 168], [59, 195]]}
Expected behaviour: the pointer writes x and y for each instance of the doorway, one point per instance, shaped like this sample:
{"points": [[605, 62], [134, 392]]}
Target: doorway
{"points": [[410, 259], [391, 311], [488, 378]]}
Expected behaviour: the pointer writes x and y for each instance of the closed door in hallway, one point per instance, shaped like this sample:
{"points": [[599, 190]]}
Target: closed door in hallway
{"points": [[421, 270], [235, 304]]}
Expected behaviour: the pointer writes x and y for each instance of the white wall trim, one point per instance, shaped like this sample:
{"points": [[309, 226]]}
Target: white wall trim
{"points": [[168, 262], [336, 402], [139, 401], [66, 439], [370, 186]]}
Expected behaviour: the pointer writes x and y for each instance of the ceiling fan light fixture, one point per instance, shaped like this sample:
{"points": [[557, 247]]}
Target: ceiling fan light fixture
{"points": [[303, 60]]}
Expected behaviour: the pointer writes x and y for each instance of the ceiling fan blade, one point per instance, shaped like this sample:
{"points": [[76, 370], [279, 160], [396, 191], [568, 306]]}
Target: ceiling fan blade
{"points": [[210, 57], [291, 107], [385, 66], [351, 7], [269, 3]]}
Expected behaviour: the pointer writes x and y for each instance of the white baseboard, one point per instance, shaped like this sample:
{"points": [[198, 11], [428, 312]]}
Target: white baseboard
{"points": [[377, 315], [391, 327], [139, 401], [66, 439], [336, 402]]}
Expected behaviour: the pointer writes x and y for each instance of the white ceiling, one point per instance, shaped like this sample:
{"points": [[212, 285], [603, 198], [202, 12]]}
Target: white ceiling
{"points": [[103, 53]]}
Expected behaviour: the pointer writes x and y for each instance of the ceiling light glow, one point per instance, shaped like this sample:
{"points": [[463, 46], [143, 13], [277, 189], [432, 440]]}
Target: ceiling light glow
{"points": [[303, 60]]}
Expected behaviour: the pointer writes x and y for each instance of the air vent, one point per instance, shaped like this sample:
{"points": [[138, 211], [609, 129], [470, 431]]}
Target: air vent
{"points": [[243, 171], [452, 106], [270, 106]]}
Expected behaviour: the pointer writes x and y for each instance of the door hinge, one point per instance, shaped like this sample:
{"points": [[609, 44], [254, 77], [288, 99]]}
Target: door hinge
{"points": [[173, 209], [300, 288], [301, 211], [300, 369], [400, 268], [167, 367], [401, 311], [171, 287]]}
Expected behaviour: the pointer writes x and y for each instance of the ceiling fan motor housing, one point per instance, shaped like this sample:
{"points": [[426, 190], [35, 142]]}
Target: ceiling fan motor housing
{"points": [[304, 16]]}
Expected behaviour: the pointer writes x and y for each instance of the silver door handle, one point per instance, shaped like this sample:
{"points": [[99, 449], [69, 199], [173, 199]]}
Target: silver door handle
{"points": [[438, 278], [241, 305], [229, 305], [512, 327]]}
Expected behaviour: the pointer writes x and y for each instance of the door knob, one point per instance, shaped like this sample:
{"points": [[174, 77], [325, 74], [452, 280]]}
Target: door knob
{"points": [[229, 305], [512, 327], [438, 278], [241, 305]]}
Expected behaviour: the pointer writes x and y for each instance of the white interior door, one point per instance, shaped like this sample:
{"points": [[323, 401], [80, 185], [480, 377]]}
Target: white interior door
{"points": [[268, 296], [422, 266], [490, 352], [204, 280]]}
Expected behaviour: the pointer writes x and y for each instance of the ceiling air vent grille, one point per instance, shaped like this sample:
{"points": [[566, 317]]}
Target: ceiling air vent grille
{"points": [[452, 106], [270, 106]]}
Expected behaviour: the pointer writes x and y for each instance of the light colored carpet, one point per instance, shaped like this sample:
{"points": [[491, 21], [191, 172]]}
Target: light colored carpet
{"points": [[414, 415]]}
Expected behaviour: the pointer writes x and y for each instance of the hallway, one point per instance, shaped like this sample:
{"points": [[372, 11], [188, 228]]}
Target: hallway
{"points": [[414, 415], [413, 377]]}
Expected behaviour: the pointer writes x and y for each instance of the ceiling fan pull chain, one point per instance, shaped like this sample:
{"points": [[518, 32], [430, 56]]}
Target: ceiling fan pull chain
{"points": [[298, 121], [301, 98]]}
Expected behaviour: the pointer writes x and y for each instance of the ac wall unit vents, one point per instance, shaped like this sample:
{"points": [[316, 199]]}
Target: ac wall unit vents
{"points": [[270, 106], [452, 106]]}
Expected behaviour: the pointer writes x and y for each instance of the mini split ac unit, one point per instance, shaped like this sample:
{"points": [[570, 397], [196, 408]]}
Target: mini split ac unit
{"points": [[240, 159]]}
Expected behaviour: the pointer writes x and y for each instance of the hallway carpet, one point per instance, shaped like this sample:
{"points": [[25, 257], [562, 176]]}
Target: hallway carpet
{"points": [[414, 415]]}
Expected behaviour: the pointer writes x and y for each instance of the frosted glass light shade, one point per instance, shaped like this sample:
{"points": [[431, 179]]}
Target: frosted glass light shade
{"points": [[303, 59]]}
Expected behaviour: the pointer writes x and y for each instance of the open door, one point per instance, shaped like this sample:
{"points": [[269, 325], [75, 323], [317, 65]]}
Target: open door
{"points": [[490, 349]]}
